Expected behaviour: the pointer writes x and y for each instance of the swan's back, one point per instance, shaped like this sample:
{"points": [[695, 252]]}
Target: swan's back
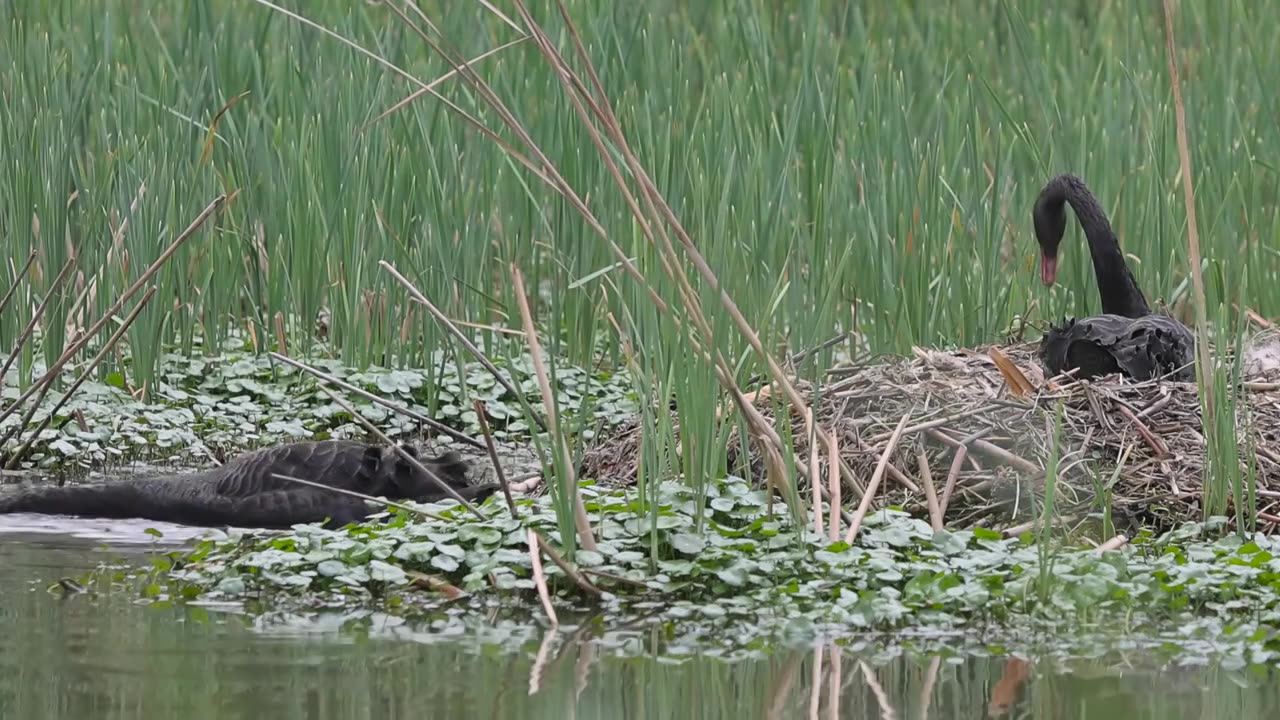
{"points": [[1143, 348], [336, 463]]}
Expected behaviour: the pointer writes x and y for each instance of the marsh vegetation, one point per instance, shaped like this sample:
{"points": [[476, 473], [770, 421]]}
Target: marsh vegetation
{"points": [[706, 229]]}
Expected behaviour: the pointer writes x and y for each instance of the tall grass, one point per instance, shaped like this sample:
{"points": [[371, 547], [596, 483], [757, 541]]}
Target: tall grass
{"points": [[838, 167], [822, 154]]}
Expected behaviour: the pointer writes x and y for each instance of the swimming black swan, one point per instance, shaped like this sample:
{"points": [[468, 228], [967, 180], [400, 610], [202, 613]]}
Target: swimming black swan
{"points": [[1127, 338], [244, 492]]}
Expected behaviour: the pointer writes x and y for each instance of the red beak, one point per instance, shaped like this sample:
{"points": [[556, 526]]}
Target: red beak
{"points": [[1048, 269]]}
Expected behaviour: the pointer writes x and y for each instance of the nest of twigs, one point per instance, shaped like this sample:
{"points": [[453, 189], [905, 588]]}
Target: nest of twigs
{"points": [[1136, 448]]}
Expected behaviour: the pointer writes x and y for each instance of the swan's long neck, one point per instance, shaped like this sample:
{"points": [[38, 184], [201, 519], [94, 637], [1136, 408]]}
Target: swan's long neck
{"points": [[1116, 284]]}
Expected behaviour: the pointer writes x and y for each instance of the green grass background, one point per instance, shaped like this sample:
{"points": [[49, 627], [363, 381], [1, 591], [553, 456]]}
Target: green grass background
{"points": [[842, 165]]}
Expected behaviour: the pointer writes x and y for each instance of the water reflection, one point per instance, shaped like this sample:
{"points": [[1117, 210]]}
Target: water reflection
{"points": [[92, 656]]}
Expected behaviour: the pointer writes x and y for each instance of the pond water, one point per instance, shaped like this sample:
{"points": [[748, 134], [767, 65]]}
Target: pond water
{"points": [[107, 656]]}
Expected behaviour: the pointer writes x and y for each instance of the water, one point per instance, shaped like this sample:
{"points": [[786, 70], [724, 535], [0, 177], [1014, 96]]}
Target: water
{"points": [[85, 656]]}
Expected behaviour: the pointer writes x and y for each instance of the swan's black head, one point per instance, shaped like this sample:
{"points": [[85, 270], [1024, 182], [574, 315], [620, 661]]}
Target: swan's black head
{"points": [[1050, 217], [411, 483]]}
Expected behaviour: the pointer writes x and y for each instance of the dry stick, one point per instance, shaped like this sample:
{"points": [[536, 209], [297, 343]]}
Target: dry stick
{"points": [[994, 451], [429, 422], [882, 697], [815, 682], [493, 456], [833, 484], [926, 689], [17, 280], [1114, 543], [539, 667], [549, 174], [35, 316], [90, 291], [655, 204], [801, 355], [438, 81], [1157, 406], [898, 475], [453, 330], [540, 577], [84, 375], [836, 683], [1015, 530], [417, 464], [544, 169], [1157, 446], [362, 496], [869, 495], [436, 584], [1189, 199], [939, 422], [580, 518], [614, 578], [564, 565], [46, 380], [953, 475], [815, 487], [527, 483], [762, 431], [930, 494]]}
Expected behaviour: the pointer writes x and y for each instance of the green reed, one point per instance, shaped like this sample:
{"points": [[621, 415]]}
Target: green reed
{"points": [[885, 155], [842, 168]]}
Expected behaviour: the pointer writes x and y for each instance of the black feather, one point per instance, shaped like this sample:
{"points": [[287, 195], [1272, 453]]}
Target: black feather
{"points": [[246, 493]]}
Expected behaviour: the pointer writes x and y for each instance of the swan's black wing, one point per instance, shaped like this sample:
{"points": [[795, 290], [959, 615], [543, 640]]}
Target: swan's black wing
{"points": [[1084, 344], [1142, 349], [335, 463], [1157, 345]]}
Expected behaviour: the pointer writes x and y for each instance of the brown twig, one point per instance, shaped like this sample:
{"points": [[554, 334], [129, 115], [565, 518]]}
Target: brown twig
{"points": [[17, 280], [815, 487], [444, 322], [362, 496], [869, 495], [1189, 201], [953, 476], [35, 317], [1114, 543], [995, 452], [930, 494], [577, 577], [1148, 437], [833, 484], [493, 456], [936, 423], [583, 523], [339, 382], [540, 578]]}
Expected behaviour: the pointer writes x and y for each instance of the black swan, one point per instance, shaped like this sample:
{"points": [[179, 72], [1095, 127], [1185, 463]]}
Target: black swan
{"points": [[244, 492], [1127, 338]]}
